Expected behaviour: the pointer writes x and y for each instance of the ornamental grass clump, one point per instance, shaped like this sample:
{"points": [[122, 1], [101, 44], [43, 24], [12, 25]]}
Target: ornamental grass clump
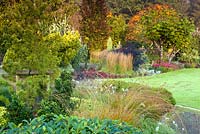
{"points": [[127, 105], [113, 62], [119, 62]]}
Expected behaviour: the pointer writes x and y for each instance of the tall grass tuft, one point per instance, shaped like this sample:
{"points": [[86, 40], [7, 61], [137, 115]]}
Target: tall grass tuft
{"points": [[113, 62], [128, 107]]}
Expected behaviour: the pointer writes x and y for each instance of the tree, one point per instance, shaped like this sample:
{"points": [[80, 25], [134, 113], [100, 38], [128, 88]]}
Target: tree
{"points": [[117, 26], [162, 27], [94, 29], [128, 8]]}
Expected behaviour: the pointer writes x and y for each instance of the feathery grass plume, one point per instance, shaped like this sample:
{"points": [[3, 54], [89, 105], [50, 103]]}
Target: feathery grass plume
{"points": [[128, 106], [119, 62]]}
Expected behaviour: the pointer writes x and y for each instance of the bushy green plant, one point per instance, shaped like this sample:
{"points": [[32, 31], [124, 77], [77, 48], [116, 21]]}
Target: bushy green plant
{"points": [[5, 93], [60, 124], [33, 89], [18, 111], [63, 91], [81, 57], [191, 56], [48, 107], [3, 118]]}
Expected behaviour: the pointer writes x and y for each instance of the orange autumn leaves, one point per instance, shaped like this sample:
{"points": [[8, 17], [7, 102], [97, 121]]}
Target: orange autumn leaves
{"points": [[148, 17]]}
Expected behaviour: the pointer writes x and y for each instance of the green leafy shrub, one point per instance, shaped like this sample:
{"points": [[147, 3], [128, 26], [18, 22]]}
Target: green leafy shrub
{"points": [[191, 57], [5, 93], [48, 107], [18, 111], [32, 90], [60, 124], [3, 118], [63, 91], [81, 57]]}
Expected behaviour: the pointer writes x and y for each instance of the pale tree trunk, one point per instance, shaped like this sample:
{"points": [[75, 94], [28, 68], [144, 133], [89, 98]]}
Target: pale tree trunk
{"points": [[161, 53], [160, 49], [172, 55]]}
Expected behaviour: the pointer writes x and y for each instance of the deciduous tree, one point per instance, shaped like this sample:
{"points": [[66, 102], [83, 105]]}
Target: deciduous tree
{"points": [[162, 27], [94, 29]]}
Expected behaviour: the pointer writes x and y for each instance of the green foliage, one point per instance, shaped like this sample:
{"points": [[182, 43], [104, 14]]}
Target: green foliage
{"points": [[32, 90], [18, 111], [150, 126], [25, 28], [5, 93], [118, 28], [32, 57], [164, 28], [60, 124], [94, 28], [63, 84], [63, 91], [81, 57], [3, 119], [48, 107], [65, 46], [191, 56]]}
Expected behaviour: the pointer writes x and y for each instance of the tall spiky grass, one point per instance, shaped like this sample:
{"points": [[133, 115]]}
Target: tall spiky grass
{"points": [[113, 62], [119, 62], [128, 107]]}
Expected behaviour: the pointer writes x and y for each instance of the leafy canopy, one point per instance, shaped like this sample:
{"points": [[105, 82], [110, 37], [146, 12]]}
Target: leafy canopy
{"points": [[163, 27]]}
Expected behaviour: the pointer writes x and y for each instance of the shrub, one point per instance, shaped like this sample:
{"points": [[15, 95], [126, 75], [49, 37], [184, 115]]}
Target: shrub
{"points": [[81, 57], [3, 119], [60, 124], [5, 93], [48, 107], [18, 111], [190, 56], [33, 89], [63, 90]]}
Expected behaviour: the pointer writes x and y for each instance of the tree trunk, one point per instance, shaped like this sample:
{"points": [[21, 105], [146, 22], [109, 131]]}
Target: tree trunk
{"points": [[161, 53]]}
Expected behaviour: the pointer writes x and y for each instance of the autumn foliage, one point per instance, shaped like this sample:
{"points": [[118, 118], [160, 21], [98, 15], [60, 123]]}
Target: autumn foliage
{"points": [[149, 15]]}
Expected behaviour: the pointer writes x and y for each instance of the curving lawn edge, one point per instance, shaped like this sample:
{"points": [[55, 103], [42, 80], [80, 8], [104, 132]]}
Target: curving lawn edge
{"points": [[184, 85]]}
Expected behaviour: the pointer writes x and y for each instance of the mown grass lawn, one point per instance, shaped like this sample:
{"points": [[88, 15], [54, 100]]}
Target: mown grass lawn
{"points": [[184, 85]]}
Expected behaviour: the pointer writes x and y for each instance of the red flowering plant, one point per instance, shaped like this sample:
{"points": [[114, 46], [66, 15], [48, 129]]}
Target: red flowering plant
{"points": [[164, 66]]}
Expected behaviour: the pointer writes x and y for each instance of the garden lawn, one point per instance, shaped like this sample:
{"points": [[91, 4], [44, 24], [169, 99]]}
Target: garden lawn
{"points": [[183, 84]]}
